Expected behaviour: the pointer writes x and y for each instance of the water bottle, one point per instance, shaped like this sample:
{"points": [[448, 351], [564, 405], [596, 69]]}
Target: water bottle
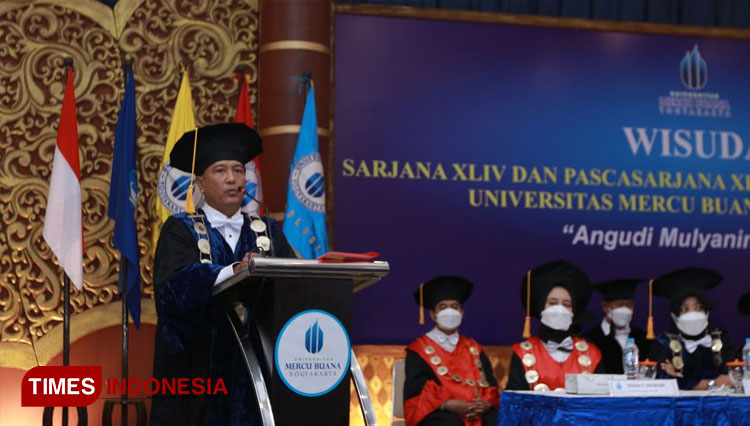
{"points": [[746, 357], [630, 359]]}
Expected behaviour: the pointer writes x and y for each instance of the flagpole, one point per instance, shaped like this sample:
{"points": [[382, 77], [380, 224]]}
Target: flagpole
{"points": [[66, 321], [68, 63], [124, 295], [127, 64], [66, 335]]}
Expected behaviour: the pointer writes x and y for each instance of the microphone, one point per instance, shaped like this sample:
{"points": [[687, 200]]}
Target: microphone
{"points": [[241, 189]]}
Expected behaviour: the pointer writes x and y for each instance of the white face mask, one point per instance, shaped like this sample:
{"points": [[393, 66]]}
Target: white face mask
{"points": [[691, 323], [449, 319], [557, 317], [621, 316]]}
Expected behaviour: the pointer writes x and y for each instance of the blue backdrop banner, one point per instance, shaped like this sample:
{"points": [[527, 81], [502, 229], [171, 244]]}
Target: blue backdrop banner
{"points": [[485, 150]]}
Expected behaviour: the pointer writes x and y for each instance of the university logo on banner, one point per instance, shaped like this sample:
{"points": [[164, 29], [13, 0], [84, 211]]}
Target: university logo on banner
{"points": [[172, 189], [693, 70], [253, 187], [694, 102], [312, 353], [307, 182]]}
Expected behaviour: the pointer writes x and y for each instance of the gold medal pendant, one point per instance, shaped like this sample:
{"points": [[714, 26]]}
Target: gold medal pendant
{"points": [[677, 362], [200, 228], [584, 360], [263, 242], [541, 387], [675, 345], [717, 345], [258, 225], [204, 246], [528, 360]]}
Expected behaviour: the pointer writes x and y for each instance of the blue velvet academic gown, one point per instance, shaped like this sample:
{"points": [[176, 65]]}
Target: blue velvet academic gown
{"points": [[699, 365], [193, 337]]}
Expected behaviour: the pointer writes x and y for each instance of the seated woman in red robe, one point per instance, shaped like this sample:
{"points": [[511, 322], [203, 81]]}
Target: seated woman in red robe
{"points": [[449, 379], [558, 294]]}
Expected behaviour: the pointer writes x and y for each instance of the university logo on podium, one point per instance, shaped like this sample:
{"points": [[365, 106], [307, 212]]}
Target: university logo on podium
{"points": [[310, 361], [314, 339]]}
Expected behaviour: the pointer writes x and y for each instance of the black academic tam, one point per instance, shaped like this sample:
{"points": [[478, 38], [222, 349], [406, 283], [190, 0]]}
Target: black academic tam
{"points": [[557, 273], [623, 289], [216, 142]]}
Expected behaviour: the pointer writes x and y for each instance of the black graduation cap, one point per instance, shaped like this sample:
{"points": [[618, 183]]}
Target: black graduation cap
{"points": [[552, 274], [744, 304], [216, 142], [680, 284], [618, 289], [444, 287]]}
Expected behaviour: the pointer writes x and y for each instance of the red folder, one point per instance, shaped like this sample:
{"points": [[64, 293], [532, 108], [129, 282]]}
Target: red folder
{"points": [[342, 256]]}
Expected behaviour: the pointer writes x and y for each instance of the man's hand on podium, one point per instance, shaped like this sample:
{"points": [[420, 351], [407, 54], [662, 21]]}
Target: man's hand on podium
{"points": [[243, 265]]}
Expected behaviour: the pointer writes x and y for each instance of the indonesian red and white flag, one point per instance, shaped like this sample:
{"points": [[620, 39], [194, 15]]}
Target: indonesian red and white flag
{"points": [[62, 224]]}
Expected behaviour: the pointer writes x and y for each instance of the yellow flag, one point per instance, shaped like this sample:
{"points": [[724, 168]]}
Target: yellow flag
{"points": [[183, 121]]}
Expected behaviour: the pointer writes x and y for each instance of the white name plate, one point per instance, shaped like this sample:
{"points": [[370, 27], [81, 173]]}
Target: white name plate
{"points": [[666, 387], [590, 384], [746, 386]]}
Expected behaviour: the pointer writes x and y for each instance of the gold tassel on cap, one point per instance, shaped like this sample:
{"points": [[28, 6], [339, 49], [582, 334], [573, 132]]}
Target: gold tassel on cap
{"points": [[650, 323], [421, 304], [527, 321], [189, 205]]}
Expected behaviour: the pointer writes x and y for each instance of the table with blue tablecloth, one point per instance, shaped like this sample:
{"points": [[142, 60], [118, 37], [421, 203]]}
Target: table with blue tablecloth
{"points": [[558, 408]]}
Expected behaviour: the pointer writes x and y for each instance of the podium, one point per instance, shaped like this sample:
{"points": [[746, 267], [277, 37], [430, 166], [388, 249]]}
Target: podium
{"points": [[298, 355]]}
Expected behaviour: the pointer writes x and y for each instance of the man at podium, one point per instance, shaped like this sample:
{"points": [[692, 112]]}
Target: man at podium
{"points": [[194, 338], [449, 379]]}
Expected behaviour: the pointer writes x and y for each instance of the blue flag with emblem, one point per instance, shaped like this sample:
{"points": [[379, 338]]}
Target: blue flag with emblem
{"points": [[305, 217], [123, 197]]}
